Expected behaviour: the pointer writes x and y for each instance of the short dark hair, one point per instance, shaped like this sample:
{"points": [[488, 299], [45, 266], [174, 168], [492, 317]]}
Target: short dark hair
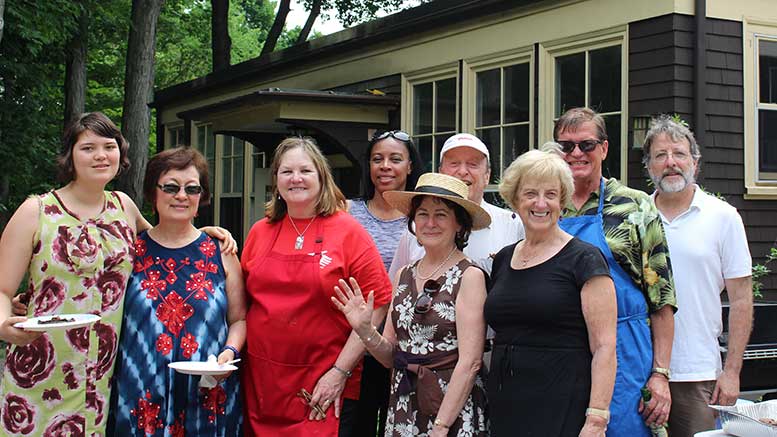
{"points": [[462, 218], [177, 158], [416, 166], [100, 125]]}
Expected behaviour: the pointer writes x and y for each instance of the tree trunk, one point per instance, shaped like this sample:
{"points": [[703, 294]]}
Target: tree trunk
{"points": [[221, 43], [2, 23], [277, 27], [315, 10], [75, 70], [138, 92]]}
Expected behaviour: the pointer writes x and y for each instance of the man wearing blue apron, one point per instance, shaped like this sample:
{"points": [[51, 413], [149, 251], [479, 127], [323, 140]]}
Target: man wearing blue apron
{"points": [[624, 225]]}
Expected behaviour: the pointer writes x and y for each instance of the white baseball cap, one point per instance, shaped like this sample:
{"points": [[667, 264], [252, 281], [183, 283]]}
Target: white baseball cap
{"points": [[464, 140]]}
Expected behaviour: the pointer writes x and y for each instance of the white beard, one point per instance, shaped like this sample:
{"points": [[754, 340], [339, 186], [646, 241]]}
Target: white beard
{"points": [[674, 185]]}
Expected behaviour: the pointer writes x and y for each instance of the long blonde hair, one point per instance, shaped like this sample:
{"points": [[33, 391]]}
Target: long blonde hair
{"points": [[330, 198]]}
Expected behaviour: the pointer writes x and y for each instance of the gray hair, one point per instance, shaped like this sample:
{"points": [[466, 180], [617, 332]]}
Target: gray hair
{"points": [[674, 129]]}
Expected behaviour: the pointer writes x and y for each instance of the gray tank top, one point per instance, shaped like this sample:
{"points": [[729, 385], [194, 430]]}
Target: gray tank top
{"points": [[385, 233]]}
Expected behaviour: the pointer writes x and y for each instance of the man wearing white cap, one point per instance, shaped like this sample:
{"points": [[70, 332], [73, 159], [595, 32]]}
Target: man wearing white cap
{"points": [[465, 157]]}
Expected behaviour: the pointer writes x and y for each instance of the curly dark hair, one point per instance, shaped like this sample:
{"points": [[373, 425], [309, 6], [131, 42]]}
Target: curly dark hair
{"points": [[462, 218]]}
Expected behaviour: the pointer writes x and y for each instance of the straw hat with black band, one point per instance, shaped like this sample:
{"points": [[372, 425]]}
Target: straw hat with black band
{"points": [[444, 187]]}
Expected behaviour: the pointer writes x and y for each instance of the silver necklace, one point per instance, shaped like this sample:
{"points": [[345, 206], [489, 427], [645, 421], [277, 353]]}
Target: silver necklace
{"points": [[300, 235], [418, 268]]}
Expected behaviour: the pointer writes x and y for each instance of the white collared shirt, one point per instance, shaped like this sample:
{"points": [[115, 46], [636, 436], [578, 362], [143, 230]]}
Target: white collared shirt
{"points": [[707, 244], [505, 228]]}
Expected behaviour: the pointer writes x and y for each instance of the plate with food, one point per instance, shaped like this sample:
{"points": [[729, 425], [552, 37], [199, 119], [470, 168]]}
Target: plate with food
{"points": [[201, 367], [751, 420], [57, 321]]}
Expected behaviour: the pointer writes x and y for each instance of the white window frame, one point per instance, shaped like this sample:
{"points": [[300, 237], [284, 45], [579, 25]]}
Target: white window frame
{"points": [[755, 30], [551, 50], [171, 133], [488, 62], [232, 159], [410, 80]]}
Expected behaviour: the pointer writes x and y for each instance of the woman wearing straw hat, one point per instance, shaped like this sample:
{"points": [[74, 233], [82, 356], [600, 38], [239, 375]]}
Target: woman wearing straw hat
{"points": [[435, 331]]}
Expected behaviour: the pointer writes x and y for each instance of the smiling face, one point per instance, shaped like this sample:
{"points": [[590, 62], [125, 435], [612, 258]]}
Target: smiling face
{"points": [[95, 158], [435, 223], [538, 204], [470, 166], [298, 182], [389, 165], [671, 166], [585, 166], [179, 206]]}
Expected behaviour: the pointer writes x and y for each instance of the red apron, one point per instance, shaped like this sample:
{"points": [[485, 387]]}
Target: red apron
{"points": [[293, 339]]}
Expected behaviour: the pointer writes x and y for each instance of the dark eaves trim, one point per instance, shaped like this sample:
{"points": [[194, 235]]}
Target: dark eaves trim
{"points": [[426, 17]]}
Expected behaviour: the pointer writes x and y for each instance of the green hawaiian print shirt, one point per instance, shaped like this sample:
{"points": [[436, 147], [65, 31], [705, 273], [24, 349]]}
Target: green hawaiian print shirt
{"points": [[634, 232]]}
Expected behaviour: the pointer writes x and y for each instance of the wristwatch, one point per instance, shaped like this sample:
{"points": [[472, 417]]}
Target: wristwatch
{"points": [[604, 414], [662, 371]]}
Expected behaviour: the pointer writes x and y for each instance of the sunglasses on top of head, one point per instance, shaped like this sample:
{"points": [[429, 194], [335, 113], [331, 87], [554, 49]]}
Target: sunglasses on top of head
{"points": [[585, 145], [396, 134], [175, 189]]}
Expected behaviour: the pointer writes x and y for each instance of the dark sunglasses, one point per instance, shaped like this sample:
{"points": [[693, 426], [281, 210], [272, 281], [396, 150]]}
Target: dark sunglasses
{"points": [[424, 302], [585, 145], [175, 189], [396, 134]]}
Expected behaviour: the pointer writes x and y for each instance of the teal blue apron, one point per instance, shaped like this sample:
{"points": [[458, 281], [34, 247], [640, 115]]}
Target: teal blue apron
{"points": [[634, 348]]}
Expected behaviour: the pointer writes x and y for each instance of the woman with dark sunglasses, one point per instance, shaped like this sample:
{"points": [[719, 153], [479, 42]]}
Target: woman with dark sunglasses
{"points": [[185, 302], [392, 162], [435, 330]]}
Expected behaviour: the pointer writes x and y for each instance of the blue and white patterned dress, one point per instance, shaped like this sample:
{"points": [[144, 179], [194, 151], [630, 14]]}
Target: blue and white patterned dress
{"points": [[175, 310]]}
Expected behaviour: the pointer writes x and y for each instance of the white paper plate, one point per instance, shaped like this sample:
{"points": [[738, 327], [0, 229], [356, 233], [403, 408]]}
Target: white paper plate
{"points": [[79, 320], [201, 367]]}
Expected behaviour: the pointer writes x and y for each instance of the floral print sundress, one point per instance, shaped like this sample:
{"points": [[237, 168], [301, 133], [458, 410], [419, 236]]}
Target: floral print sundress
{"points": [[58, 385], [422, 334]]}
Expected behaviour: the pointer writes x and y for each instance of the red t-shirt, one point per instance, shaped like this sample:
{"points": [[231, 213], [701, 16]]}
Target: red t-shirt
{"points": [[349, 252]]}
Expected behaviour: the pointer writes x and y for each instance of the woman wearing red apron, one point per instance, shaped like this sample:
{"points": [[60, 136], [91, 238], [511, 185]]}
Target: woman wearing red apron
{"points": [[303, 361]]}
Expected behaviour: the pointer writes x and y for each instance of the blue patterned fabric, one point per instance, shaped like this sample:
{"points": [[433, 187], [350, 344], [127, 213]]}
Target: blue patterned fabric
{"points": [[175, 310]]}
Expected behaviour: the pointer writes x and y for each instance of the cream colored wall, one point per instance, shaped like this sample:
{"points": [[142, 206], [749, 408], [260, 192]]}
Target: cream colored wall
{"points": [[732, 9], [490, 35]]}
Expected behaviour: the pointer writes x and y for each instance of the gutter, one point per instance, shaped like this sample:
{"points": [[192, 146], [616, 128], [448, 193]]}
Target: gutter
{"points": [[700, 79]]}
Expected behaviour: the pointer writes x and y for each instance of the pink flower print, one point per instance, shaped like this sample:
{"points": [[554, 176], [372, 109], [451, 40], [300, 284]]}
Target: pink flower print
{"points": [[140, 247], [95, 401], [109, 205], [83, 251], [52, 210], [171, 277], [106, 348], [78, 338], [208, 268], [111, 285], [51, 394], [177, 429], [71, 379], [142, 264], [208, 247], [18, 414], [63, 425], [213, 400], [199, 284], [173, 312], [189, 345], [153, 285], [36, 248], [32, 363], [147, 414], [50, 297], [164, 344]]}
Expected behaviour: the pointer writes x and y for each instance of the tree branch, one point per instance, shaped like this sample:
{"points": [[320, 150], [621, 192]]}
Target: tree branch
{"points": [[277, 27], [75, 69], [315, 10], [221, 43]]}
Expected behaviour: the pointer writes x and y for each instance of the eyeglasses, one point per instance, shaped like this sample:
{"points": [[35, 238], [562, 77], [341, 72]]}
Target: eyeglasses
{"points": [[585, 145], [174, 189], [396, 134], [663, 156], [424, 302]]}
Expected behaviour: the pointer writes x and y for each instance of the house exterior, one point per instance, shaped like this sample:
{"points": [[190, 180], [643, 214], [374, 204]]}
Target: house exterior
{"points": [[503, 70]]}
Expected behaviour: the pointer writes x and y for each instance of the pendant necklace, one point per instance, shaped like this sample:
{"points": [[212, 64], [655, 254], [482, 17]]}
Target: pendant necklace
{"points": [[418, 268], [300, 235]]}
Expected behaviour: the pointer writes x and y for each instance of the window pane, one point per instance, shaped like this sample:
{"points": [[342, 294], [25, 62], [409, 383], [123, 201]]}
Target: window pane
{"points": [[237, 187], [210, 152], [489, 90], [605, 77], [491, 137], [226, 177], [212, 176], [201, 138], [767, 143], [516, 93], [446, 105], [439, 140], [422, 108], [570, 82], [767, 74], [425, 147], [611, 167], [516, 142]]}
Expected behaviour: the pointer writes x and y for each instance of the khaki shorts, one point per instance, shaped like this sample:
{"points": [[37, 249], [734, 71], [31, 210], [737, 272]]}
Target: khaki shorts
{"points": [[690, 413]]}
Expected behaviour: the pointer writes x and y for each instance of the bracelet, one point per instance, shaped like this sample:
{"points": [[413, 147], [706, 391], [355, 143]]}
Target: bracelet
{"points": [[604, 414], [347, 373], [438, 422], [662, 371], [369, 338], [233, 349]]}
